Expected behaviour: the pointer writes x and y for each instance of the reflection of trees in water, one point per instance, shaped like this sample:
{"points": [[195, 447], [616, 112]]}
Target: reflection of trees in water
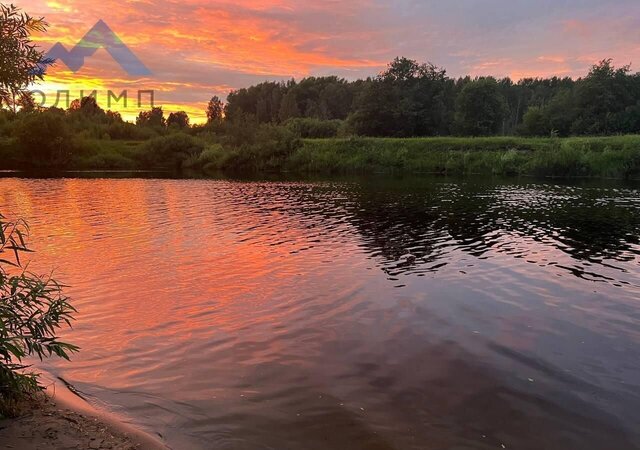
{"points": [[417, 223], [413, 225], [595, 231]]}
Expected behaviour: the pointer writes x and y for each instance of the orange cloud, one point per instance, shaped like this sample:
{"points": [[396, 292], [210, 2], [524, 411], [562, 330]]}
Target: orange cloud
{"points": [[200, 48]]}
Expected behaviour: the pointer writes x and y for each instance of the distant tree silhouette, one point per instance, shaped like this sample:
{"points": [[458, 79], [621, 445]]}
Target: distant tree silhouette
{"points": [[153, 118], [87, 106], [114, 116], [215, 110], [178, 119]]}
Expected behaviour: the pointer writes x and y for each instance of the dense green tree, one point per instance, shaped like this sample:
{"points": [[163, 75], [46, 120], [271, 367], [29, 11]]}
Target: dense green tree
{"points": [[376, 110], [404, 69], [45, 138], [324, 98], [561, 112], [289, 108], [407, 99], [480, 108], [429, 102], [602, 98], [262, 100], [535, 122], [335, 100], [630, 121], [307, 127]]}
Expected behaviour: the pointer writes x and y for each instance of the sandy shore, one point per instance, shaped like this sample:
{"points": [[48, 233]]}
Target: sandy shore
{"points": [[60, 420]]}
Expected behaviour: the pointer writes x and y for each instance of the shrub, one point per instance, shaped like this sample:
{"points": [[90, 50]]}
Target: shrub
{"points": [[253, 147], [314, 128], [44, 139], [32, 308], [268, 148], [213, 158], [9, 154], [6, 122], [106, 155], [129, 131], [107, 161], [171, 151]]}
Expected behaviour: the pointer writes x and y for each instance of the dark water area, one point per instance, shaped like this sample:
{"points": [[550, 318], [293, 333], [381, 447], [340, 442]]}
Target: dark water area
{"points": [[374, 313]]}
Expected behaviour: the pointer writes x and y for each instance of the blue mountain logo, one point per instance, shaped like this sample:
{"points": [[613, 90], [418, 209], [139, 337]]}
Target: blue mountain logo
{"points": [[100, 36]]}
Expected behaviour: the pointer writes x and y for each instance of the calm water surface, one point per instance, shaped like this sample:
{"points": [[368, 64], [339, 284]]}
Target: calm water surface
{"points": [[365, 314]]}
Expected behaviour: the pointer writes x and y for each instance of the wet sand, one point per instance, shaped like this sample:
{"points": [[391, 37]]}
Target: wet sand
{"points": [[45, 425], [60, 420]]}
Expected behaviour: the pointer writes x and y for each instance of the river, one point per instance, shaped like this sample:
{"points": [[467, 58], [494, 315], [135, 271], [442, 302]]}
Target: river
{"points": [[372, 313]]}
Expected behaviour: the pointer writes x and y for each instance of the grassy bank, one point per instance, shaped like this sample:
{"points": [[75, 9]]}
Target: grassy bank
{"points": [[90, 154], [614, 157], [604, 157]]}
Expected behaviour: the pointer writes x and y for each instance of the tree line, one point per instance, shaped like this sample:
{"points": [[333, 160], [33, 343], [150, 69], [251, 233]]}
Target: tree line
{"points": [[414, 99], [409, 99]]}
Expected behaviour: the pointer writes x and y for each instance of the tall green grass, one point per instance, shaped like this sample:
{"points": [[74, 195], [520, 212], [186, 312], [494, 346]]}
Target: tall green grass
{"points": [[615, 157], [599, 157]]}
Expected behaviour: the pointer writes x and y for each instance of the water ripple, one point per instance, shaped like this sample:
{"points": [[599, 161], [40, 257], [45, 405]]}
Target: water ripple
{"points": [[366, 314]]}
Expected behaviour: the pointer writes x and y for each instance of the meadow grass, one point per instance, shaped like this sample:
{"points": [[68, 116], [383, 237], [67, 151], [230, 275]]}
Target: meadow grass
{"points": [[612, 157], [598, 157]]}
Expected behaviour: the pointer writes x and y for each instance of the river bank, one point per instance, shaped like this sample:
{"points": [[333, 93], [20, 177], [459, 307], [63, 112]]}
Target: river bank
{"points": [[598, 157], [60, 419], [615, 157]]}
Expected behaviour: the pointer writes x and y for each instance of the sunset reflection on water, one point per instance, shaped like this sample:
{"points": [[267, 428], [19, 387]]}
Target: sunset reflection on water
{"points": [[348, 314]]}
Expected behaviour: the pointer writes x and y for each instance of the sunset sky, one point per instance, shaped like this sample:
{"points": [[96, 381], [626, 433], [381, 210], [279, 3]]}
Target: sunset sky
{"points": [[200, 48]]}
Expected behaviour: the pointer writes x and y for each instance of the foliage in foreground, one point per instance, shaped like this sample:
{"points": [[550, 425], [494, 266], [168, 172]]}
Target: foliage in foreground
{"points": [[32, 309], [21, 62]]}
